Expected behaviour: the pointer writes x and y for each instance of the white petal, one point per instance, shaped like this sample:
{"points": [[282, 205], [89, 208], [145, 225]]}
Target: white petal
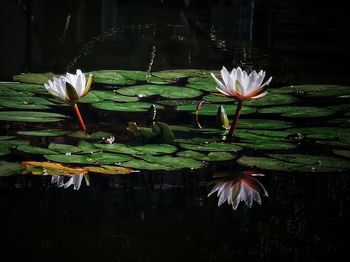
{"points": [[215, 188], [225, 75], [260, 95], [223, 92], [267, 82], [218, 82], [69, 182], [77, 181]]}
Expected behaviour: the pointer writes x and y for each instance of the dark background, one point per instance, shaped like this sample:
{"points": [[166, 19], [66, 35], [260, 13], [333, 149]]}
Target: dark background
{"points": [[295, 41]]}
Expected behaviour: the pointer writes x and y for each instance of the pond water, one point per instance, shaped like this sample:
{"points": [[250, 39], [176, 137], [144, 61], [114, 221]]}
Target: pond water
{"points": [[144, 168]]}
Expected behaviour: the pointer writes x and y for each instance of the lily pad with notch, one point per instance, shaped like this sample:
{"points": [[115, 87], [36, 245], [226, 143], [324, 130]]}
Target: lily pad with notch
{"points": [[30, 116]]}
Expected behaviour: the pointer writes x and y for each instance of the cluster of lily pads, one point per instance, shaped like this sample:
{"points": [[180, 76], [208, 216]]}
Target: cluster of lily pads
{"points": [[275, 133]]}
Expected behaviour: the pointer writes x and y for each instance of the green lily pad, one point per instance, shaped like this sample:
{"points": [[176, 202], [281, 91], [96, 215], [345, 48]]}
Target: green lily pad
{"points": [[35, 150], [254, 135], [34, 78], [9, 168], [273, 99], [212, 147], [117, 148], [344, 122], [203, 83], [63, 148], [263, 124], [22, 102], [317, 163], [217, 98], [320, 132], [212, 109], [172, 92], [6, 137], [11, 144], [170, 162], [212, 156], [267, 145], [4, 151], [111, 77], [342, 107], [180, 73], [152, 149], [145, 165], [316, 90], [298, 111], [90, 98], [112, 96], [344, 153], [24, 88], [87, 147], [124, 107], [30, 116], [95, 158], [94, 136], [43, 132], [267, 163]]}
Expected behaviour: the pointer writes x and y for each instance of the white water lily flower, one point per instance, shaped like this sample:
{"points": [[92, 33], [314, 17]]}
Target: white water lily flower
{"points": [[58, 180], [246, 189], [69, 88], [240, 85]]}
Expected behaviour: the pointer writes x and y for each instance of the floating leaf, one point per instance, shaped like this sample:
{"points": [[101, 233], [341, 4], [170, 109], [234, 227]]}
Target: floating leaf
{"points": [[63, 148], [110, 77], [20, 88], [273, 99], [218, 98], [344, 122], [95, 158], [298, 111], [9, 168], [211, 109], [315, 90], [267, 145], [344, 153], [43, 132], [180, 73], [267, 163], [212, 147], [212, 156], [203, 83], [94, 136], [124, 107], [109, 170], [54, 169], [320, 132], [172, 92], [90, 98], [30, 116], [87, 147], [111, 95], [35, 150], [263, 124], [34, 78], [4, 151], [145, 165], [6, 137]]}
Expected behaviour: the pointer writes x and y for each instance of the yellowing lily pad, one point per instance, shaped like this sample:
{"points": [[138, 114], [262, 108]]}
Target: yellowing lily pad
{"points": [[54, 169], [109, 170]]}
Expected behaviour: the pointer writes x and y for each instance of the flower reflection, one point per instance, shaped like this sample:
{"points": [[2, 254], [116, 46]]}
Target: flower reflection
{"points": [[74, 180], [240, 187]]}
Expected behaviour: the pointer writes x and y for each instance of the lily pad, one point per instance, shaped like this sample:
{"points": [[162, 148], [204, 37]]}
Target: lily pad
{"points": [[54, 169], [4, 151], [320, 132], [212, 147], [23, 89], [90, 98], [171, 92], [203, 83], [124, 107], [87, 147], [180, 73], [21, 102], [112, 96], [30, 116], [263, 124], [212, 156], [316, 90], [212, 109], [63, 148], [111, 77], [298, 111], [273, 99], [35, 150], [94, 136], [6, 137], [34, 78], [344, 122], [344, 153], [145, 165], [95, 158], [109, 170], [267, 145], [10, 168], [43, 132], [217, 98]]}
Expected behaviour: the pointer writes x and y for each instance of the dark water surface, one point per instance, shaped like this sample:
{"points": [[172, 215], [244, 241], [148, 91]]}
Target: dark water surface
{"points": [[168, 217]]}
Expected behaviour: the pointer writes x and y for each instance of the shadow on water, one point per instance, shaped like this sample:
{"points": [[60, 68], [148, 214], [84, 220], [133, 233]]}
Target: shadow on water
{"points": [[168, 217]]}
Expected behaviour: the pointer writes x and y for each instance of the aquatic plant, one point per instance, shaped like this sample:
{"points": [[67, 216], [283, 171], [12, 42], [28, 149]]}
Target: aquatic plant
{"points": [[240, 187], [242, 87], [74, 180], [70, 88]]}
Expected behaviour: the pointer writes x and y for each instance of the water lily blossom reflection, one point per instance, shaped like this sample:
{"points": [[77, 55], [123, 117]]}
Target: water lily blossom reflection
{"points": [[241, 188], [70, 88], [74, 180], [241, 86]]}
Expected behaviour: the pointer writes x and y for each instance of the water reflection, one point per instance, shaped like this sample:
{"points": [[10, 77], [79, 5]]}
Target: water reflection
{"points": [[239, 187]]}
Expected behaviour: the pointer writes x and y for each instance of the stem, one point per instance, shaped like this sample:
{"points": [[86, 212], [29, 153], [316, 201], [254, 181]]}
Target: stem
{"points": [[235, 120], [81, 121]]}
